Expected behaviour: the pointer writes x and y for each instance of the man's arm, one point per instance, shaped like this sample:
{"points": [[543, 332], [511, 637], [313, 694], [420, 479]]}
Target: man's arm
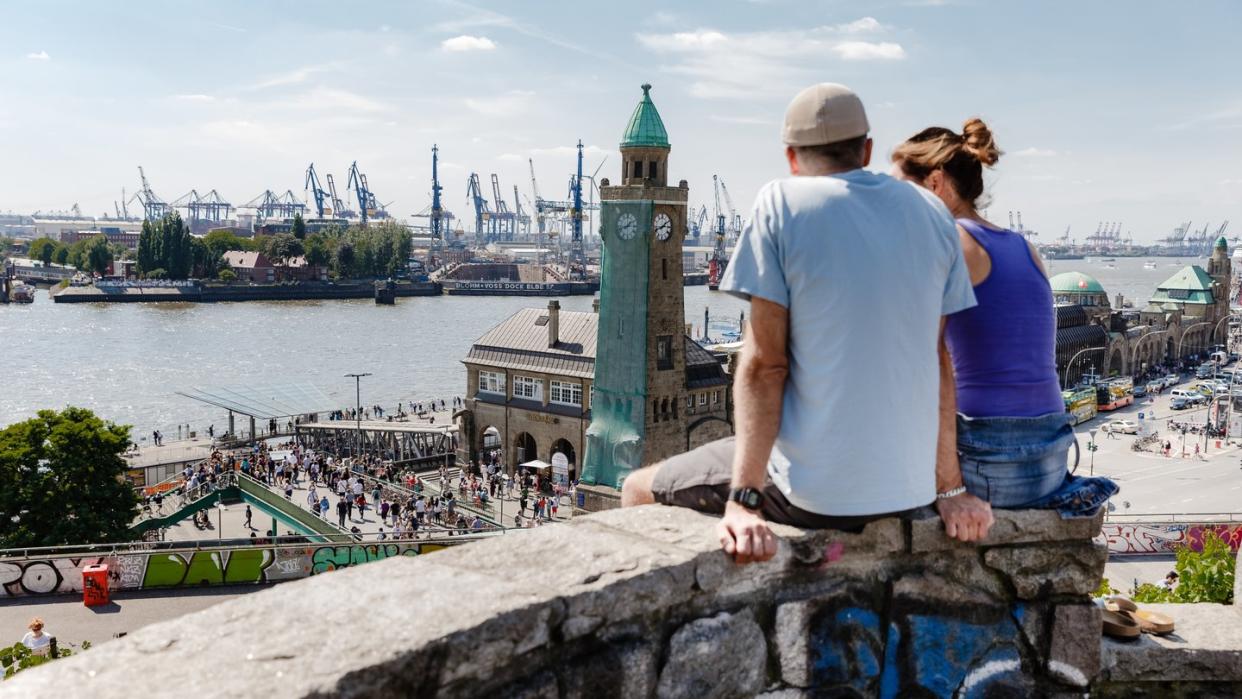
{"points": [[965, 516], [757, 392]]}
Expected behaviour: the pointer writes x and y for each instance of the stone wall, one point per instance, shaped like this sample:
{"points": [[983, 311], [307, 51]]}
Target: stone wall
{"points": [[641, 602]]}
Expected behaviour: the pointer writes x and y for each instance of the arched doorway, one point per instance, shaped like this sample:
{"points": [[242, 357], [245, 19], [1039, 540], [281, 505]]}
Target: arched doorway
{"points": [[563, 446], [1116, 363], [524, 448]]}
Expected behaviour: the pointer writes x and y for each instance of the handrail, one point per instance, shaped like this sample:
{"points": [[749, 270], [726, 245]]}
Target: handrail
{"points": [[1174, 517]]}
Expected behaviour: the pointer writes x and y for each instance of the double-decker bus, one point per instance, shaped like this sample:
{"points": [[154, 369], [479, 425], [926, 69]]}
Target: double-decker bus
{"points": [[1114, 393], [1080, 402]]}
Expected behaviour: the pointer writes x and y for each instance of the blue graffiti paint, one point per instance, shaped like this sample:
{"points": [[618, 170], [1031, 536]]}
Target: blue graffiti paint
{"points": [[890, 681], [844, 649], [945, 649]]}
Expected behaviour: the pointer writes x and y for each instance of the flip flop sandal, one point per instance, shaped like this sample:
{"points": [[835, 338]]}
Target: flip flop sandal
{"points": [[1120, 625], [1153, 622], [1123, 603]]}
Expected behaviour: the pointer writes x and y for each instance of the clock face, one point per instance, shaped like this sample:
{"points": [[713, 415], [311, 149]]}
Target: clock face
{"points": [[663, 227], [627, 226]]}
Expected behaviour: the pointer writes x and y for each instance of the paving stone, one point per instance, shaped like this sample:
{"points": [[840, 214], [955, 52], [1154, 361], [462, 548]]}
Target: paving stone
{"points": [[716, 657]]}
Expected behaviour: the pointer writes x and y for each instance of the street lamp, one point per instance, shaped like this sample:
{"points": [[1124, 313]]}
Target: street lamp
{"points": [[357, 409], [220, 508], [1070, 363], [1091, 447]]}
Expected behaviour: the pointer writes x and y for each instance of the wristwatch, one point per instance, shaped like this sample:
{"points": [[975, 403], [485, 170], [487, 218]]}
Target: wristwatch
{"points": [[749, 498]]}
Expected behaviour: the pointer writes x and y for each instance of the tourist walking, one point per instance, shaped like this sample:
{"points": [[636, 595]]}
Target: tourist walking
{"points": [[36, 640], [817, 246], [1013, 432]]}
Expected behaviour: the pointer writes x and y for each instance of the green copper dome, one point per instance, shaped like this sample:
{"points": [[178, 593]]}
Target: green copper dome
{"points": [[1075, 283], [646, 128], [1222, 243]]}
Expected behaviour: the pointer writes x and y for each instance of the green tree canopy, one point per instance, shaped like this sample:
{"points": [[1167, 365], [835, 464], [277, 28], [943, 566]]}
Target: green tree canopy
{"points": [[63, 478], [43, 249], [166, 244], [221, 240], [98, 255], [299, 227]]}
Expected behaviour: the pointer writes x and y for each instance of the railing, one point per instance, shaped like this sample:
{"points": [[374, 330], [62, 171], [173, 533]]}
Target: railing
{"points": [[1174, 517], [320, 526], [177, 501]]}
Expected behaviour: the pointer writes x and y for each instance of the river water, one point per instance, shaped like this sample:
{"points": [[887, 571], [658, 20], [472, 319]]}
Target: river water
{"points": [[127, 361]]}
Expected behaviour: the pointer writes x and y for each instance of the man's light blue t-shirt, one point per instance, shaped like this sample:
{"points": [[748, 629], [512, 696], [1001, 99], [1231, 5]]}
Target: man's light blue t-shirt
{"points": [[866, 265]]}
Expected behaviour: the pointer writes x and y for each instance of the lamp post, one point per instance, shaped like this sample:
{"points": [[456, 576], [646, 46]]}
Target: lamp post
{"points": [[1070, 363], [220, 508], [357, 409], [1091, 447]]}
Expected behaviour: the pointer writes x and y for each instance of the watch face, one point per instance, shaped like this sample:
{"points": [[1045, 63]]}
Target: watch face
{"points": [[627, 226], [663, 227]]}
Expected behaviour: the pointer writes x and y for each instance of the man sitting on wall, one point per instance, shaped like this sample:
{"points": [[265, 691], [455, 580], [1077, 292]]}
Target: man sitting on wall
{"points": [[844, 406]]}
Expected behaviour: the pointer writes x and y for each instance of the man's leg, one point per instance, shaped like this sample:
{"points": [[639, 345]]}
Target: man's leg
{"points": [[698, 479]]}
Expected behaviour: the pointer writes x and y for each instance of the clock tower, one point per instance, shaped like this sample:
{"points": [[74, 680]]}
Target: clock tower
{"points": [[638, 404]]}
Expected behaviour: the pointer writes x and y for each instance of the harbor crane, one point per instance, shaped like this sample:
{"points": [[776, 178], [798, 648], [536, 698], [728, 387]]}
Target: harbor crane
{"points": [[697, 222], [522, 216], [482, 209], [209, 207], [735, 219], [503, 219], [319, 194], [338, 206], [577, 256], [368, 207], [270, 205], [716, 265], [153, 207]]}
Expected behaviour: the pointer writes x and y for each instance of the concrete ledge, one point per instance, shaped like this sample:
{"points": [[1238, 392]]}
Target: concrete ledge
{"points": [[641, 602], [1205, 647]]}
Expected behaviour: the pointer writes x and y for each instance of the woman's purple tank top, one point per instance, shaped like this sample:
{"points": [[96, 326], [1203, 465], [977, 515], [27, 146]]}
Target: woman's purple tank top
{"points": [[1004, 349]]}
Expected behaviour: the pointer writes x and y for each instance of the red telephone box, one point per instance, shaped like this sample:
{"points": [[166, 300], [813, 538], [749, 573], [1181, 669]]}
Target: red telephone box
{"points": [[95, 585]]}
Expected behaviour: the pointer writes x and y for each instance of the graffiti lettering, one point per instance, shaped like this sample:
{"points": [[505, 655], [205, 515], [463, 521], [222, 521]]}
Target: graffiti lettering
{"points": [[162, 569], [1141, 537]]}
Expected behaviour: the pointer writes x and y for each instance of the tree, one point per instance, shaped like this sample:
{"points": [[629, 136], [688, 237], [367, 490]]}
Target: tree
{"points": [[166, 245], [318, 254], [42, 249], [227, 275], [222, 240], [299, 227], [60, 254], [146, 248], [64, 481], [344, 259], [98, 255]]}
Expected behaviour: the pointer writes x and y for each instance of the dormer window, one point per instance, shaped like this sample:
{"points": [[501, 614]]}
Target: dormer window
{"points": [[638, 169]]}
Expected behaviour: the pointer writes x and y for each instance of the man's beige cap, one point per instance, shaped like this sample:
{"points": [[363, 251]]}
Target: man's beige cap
{"points": [[824, 113]]}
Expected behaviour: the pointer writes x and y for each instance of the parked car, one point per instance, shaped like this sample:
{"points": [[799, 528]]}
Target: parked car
{"points": [[1154, 387], [1122, 426], [1140, 390], [1172, 380], [1179, 404]]}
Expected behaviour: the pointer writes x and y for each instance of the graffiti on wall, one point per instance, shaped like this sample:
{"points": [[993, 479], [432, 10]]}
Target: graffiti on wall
{"points": [[162, 569], [1162, 538]]}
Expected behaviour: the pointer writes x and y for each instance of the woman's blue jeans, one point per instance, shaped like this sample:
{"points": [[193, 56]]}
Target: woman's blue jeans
{"points": [[1020, 462]]}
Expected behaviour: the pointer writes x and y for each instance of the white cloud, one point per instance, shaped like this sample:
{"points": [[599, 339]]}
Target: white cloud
{"points": [[465, 42], [510, 157], [39, 56], [869, 51], [1034, 152], [746, 64], [196, 98], [333, 99], [294, 77], [860, 26]]}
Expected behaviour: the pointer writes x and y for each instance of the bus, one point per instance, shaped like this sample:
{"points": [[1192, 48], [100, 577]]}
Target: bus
{"points": [[1080, 402], [1114, 393]]}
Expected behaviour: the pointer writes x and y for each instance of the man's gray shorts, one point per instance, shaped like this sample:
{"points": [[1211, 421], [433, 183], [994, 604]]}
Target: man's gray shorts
{"points": [[699, 479]]}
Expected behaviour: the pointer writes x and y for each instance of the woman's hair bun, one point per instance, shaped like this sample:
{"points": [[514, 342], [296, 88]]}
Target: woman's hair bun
{"points": [[979, 142]]}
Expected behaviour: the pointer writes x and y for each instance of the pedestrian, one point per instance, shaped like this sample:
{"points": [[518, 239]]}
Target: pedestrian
{"points": [[341, 512], [324, 507], [249, 515], [38, 642]]}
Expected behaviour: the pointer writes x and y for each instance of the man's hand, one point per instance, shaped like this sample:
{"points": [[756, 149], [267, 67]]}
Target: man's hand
{"points": [[744, 534], [965, 516]]}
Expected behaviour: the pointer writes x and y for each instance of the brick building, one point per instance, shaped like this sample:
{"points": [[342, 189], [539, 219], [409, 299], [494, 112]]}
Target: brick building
{"points": [[529, 387]]}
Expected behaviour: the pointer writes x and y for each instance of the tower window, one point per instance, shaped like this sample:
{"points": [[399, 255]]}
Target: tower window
{"points": [[652, 169], [664, 352], [638, 168], [655, 410], [663, 268]]}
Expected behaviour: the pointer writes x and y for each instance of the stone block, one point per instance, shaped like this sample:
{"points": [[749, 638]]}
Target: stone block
{"points": [[791, 632], [1011, 527], [1205, 647], [619, 670], [721, 656], [539, 686], [1052, 569], [952, 578], [1074, 655]]}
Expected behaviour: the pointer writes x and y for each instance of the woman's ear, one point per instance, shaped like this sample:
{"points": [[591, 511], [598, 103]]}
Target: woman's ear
{"points": [[934, 183]]}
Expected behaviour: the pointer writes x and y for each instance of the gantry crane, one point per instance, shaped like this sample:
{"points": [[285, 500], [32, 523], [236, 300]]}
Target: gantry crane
{"points": [[577, 256], [338, 206], [153, 207], [270, 205], [503, 219], [207, 207], [734, 224], [367, 205], [482, 210]]}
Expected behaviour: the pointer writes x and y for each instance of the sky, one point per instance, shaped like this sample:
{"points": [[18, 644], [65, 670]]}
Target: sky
{"points": [[1108, 111]]}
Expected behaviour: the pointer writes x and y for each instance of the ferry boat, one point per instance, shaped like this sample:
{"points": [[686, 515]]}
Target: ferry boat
{"points": [[22, 293], [1149, 265]]}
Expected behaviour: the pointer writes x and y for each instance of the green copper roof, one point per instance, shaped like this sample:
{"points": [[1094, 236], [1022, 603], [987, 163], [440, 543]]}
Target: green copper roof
{"points": [[645, 128], [1075, 283], [1190, 277], [1222, 243]]}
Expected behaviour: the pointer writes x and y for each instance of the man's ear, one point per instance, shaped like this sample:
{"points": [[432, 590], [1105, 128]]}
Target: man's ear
{"points": [[792, 157], [867, 152]]}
